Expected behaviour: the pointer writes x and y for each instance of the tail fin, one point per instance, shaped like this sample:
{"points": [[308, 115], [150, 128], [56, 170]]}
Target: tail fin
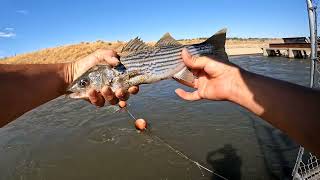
{"points": [[218, 41]]}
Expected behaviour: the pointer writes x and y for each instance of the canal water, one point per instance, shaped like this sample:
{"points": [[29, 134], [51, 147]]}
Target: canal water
{"points": [[70, 139]]}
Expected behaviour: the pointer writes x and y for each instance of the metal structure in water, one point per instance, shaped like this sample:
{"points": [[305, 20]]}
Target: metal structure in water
{"points": [[307, 165]]}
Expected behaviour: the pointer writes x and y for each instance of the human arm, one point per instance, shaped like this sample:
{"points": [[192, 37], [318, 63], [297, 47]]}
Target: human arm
{"points": [[289, 107], [24, 87]]}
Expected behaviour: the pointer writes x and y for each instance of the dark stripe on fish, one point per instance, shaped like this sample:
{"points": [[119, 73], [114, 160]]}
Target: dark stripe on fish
{"points": [[160, 61]]}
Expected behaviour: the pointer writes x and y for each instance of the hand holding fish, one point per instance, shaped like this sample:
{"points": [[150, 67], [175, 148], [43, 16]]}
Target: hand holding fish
{"points": [[214, 80], [98, 98]]}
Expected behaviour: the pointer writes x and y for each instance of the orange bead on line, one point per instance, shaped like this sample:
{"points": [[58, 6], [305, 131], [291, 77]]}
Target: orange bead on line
{"points": [[141, 124], [122, 104]]}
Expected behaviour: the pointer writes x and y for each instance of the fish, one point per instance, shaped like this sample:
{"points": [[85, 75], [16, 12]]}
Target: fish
{"points": [[144, 64]]}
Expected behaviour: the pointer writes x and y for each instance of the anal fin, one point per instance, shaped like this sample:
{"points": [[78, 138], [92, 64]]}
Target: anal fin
{"points": [[186, 76]]}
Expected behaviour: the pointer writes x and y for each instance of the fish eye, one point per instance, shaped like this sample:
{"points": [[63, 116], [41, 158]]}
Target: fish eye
{"points": [[83, 83]]}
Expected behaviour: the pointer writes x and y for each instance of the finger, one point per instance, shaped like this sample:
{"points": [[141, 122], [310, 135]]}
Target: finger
{"points": [[111, 52], [196, 83], [107, 56], [98, 57], [111, 60], [133, 90], [114, 101], [95, 98], [195, 72], [107, 93], [122, 94], [184, 82], [193, 62], [190, 96], [122, 104]]}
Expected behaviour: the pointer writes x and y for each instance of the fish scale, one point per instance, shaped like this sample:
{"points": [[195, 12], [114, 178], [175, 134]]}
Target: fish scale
{"points": [[162, 60]]}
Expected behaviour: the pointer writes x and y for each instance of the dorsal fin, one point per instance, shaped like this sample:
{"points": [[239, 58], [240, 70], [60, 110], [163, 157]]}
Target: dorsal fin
{"points": [[218, 41], [167, 40], [134, 45]]}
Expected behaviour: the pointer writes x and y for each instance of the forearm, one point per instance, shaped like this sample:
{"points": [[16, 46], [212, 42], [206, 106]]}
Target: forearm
{"points": [[289, 107], [24, 87]]}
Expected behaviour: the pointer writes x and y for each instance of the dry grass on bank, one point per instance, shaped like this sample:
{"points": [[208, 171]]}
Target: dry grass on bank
{"points": [[74, 52]]}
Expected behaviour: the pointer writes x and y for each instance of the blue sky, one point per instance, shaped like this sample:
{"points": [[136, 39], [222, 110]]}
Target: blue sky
{"points": [[29, 25]]}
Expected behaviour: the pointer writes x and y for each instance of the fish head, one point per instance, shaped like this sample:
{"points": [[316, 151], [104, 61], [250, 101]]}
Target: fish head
{"points": [[78, 89], [95, 78]]}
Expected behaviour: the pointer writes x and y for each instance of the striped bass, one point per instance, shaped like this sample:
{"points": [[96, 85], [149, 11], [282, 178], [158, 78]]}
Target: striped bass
{"points": [[143, 64]]}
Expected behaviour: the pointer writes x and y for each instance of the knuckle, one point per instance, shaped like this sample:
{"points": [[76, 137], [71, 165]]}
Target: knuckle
{"points": [[120, 93], [93, 97], [109, 98], [110, 51], [194, 59], [99, 51], [107, 52], [106, 91]]}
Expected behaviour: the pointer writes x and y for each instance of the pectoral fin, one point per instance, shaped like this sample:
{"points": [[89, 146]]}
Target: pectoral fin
{"points": [[185, 75]]}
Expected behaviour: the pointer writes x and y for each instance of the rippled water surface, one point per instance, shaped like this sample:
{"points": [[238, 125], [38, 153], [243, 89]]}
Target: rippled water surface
{"points": [[71, 139]]}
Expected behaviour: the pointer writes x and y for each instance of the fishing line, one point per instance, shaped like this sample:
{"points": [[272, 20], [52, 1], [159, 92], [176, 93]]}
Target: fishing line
{"points": [[130, 114], [200, 166]]}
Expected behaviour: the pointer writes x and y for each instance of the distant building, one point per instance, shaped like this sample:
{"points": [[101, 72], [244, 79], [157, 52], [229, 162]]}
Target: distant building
{"points": [[296, 40], [292, 47]]}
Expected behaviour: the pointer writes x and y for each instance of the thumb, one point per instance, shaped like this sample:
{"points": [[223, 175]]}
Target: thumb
{"points": [[103, 56], [100, 56], [193, 62]]}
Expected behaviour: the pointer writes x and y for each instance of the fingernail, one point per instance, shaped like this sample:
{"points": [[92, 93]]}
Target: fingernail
{"points": [[115, 60]]}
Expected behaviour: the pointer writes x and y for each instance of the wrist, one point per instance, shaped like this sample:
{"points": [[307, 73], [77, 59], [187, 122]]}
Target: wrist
{"points": [[237, 85], [242, 91]]}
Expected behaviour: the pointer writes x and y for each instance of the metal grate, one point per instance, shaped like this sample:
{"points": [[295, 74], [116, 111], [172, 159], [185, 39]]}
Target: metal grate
{"points": [[316, 75], [306, 167]]}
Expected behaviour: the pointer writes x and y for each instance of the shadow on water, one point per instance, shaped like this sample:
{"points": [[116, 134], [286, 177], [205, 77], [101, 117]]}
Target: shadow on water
{"points": [[226, 162], [278, 150]]}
